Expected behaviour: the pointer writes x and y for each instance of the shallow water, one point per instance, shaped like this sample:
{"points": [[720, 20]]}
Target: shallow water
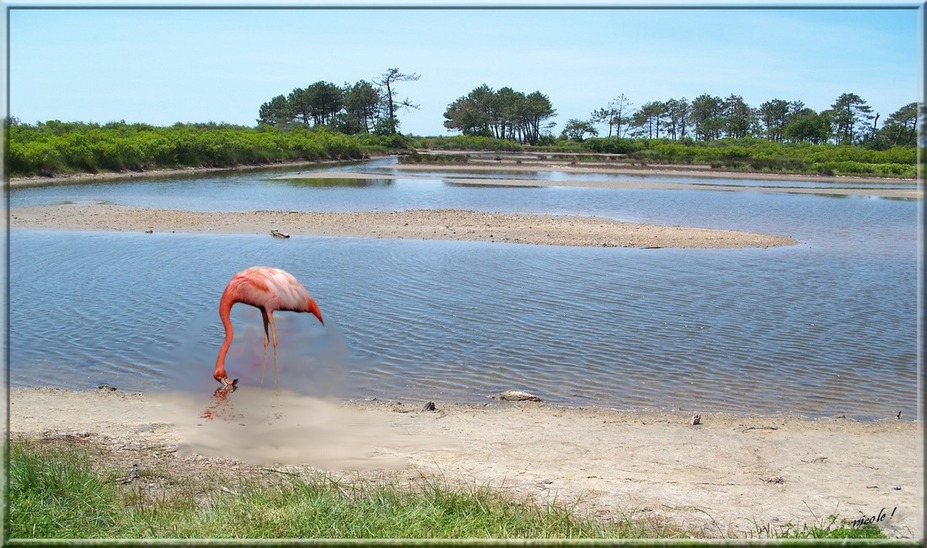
{"points": [[822, 328]]}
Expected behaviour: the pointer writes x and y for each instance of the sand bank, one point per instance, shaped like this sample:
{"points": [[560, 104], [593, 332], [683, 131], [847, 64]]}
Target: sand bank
{"points": [[433, 224]]}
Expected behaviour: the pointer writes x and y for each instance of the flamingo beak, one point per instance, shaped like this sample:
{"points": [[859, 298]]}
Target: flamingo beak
{"points": [[314, 309], [227, 383]]}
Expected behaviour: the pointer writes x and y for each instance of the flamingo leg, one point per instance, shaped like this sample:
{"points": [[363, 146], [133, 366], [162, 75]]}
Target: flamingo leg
{"points": [[273, 328], [265, 317]]}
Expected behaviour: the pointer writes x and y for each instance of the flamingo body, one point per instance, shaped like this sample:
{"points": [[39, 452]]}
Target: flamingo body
{"points": [[268, 289]]}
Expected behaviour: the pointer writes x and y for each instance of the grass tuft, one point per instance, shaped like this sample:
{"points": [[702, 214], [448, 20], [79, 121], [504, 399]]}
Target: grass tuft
{"points": [[54, 493]]}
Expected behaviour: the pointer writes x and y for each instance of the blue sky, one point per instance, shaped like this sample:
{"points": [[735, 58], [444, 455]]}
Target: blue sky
{"points": [[169, 65]]}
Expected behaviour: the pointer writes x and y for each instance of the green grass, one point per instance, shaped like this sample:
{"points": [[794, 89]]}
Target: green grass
{"points": [[56, 492]]}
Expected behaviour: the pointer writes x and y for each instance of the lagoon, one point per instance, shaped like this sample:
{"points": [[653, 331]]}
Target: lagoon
{"points": [[824, 328]]}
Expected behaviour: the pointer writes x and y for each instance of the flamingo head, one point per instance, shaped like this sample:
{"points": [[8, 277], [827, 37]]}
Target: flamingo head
{"points": [[313, 308], [224, 380]]}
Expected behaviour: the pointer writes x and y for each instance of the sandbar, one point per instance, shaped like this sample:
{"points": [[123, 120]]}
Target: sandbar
{"points": [[423, 224]]}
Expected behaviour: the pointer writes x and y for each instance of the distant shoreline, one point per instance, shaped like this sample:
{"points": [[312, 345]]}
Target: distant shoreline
{"points": [[76, 178], [842, 184], [512, 163], [847, 189]]}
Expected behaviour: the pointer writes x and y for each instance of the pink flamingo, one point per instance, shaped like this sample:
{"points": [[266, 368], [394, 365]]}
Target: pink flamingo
{"points": [[268, 289]]}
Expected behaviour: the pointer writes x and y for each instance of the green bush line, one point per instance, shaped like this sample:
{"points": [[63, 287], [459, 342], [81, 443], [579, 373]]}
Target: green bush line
{"points": [[51, 148], [56, 492], [748, 154], [54, 147]]}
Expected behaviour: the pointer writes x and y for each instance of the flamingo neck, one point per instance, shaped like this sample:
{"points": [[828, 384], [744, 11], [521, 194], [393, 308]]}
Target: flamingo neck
{"points": [[225, 310]]}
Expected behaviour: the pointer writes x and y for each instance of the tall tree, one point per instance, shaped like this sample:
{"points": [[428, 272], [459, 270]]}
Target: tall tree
{"points": [[649, 118], [706, 116], [621, 110], [616, 114], [739, 118], [505, 108], [773, 114], [472, 113], [275, 112], [536, 108], [362, 105], [300, 103], [602, 116], [677, 113], [576, 129], [851, 118], [808, 126], [900, 127], [325, 100], [388, 81]]}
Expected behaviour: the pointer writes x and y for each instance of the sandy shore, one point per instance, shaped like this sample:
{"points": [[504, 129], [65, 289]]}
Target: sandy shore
{"points": [[729, 476], [435, 224]]}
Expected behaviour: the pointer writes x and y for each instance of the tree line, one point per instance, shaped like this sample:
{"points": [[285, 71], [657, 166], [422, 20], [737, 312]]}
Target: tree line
{"points": [[371, 107], [849, 121], [360, 108]]}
